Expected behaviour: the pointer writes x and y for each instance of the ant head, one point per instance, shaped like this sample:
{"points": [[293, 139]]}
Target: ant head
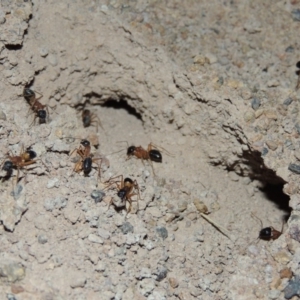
{"points": [[85, 143], [28, 93], [128, 180], [298, 64], [42, 114], [8, 165], [155, 155], [130, 150], [31, 153]]}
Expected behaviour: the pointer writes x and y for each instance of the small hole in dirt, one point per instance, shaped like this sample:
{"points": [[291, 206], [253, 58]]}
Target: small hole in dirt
{"points": [[13, 47], [122, 104]]}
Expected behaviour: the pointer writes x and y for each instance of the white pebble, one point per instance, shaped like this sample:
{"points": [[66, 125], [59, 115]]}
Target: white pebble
{"points": [[95, 239]]}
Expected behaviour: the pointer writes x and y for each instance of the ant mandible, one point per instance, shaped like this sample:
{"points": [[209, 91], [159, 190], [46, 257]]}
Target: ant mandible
{"points": [[268, 233], [38, 108], [127, 188], [89, 118], [25, 158], [87, 160]]}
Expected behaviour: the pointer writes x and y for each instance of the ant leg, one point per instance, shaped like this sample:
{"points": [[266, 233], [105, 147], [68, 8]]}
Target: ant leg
{"points": [[48, 114], [41, 96], [130, 205], [150, 161], [76, 149], [111, 182], [78, 167], [130, 202], [254, 216], [99, 166]]}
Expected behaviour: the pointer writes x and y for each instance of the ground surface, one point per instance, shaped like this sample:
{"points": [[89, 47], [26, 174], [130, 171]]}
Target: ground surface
{"points": [[213, 83]]}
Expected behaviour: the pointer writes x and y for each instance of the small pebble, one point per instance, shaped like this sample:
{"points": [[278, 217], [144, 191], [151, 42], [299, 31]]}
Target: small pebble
{"points": [[249, 116], [11, 297], [95, 239], [286, 273], [255, 103], [293, 288], [264, 151], [103, 233], [52, 60], [42, 239], [297, 127], [201, 207], [296, 14], [173, 282], [43, 51], [12, 271], [161, 273], [53, 183], [272, 145], [294, 168], [274, 294], [287, 101], [97, 195], [126, 228], [2, 115], [290, 49], [17, 191], [162, 232]]}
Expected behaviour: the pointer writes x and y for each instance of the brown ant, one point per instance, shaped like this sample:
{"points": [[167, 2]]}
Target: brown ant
{"points": [[38, 108], [268, 233], [86, 161], [298, 74], [25, 158], [127, 188], [152, 153], [89, 118]]}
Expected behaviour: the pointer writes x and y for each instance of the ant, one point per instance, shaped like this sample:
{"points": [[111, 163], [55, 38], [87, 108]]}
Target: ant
{"points": [[268, 233], [127, 188], [89, 118], [298, 73], [25, 158], [86, 161], [152, 153], [38, 108]]}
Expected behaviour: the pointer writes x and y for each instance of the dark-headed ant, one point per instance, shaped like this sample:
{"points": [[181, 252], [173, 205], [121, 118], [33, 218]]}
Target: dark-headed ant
{"points": [[127, 188], [152, 153], [89, 118], [38, 108], [25, 158], [87, 160], [268, 233], [298, 74]]}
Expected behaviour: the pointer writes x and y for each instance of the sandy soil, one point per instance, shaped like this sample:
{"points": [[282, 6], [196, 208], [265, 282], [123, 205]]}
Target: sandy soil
{"points": [[212, 84]]}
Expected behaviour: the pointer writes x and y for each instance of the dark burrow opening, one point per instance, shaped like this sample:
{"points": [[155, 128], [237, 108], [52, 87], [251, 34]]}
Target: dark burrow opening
{"points": [[122, 104], [272, 184]]}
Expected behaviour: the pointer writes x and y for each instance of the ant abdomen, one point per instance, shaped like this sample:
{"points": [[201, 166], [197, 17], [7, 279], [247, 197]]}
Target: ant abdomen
{"points": [[155, 155]]}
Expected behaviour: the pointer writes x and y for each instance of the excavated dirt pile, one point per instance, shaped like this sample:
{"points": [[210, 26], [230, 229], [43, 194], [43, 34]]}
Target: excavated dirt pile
{"points": [[211, 85]]}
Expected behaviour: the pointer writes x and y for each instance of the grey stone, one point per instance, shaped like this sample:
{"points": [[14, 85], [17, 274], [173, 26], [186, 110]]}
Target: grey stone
{"points": [[293, 288], [127, 227], [161, 273], [97, 195], [12, 271], [162, 232], [55, 203]]}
